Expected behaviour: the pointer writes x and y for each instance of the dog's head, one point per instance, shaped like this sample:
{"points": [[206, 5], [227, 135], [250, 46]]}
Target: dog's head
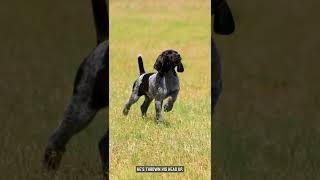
{"points": [[167, 61]]}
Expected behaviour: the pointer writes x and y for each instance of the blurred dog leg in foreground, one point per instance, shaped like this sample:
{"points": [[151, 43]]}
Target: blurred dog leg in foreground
{"points": [[90, 94]]}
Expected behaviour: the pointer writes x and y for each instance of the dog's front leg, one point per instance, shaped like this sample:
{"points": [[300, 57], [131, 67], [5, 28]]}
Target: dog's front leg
{"points": [[171, 99], [158, 105]]}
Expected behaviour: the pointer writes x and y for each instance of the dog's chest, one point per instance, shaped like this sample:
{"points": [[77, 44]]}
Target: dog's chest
{"points": [[163, 86], [171, 83]]}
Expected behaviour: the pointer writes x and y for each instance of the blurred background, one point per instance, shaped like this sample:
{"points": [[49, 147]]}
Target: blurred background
{"points": [[42, 45], [267, 122]]}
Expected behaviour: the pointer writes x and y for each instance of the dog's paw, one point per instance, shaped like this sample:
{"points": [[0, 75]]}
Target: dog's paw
{"points": [[159, 119], [167, 108], [51, 160], [125, 111], [159, 122]]}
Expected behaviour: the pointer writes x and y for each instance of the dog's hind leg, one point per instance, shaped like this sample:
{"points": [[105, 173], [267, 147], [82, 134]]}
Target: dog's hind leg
{"points": [[144, 107], [133, 99], [77, 116], [81, 109]]}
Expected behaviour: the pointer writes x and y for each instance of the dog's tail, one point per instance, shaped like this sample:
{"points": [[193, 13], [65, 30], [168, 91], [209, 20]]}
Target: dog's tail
{"points": [[140, 63], [101, 19]]}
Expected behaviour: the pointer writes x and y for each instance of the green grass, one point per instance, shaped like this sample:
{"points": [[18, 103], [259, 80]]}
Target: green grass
{"points": [[149, 27]]}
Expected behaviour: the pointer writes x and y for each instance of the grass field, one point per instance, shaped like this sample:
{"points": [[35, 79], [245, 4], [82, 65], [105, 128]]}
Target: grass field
{"points": [[42, 45], [149, 27]]}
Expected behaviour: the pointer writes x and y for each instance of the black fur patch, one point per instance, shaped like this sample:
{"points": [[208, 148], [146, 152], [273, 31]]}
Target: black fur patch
{"points": [[78, 77], [101, 86], [100, 91], [134, 84], [144, 86]]}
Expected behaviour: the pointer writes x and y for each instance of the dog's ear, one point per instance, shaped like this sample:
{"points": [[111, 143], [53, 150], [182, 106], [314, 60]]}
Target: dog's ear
{"points": [[162, 64], [159, 63], [180, 68], [223, 19]]}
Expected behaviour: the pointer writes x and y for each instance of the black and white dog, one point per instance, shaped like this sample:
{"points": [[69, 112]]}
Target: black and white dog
{"points": [[159, 86]]}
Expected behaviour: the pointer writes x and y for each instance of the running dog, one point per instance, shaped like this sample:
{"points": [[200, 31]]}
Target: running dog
{"points": [[159, 86]]}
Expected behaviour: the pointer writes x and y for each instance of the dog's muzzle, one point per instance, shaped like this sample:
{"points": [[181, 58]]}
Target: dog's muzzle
{"points": [[180, 67]]}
